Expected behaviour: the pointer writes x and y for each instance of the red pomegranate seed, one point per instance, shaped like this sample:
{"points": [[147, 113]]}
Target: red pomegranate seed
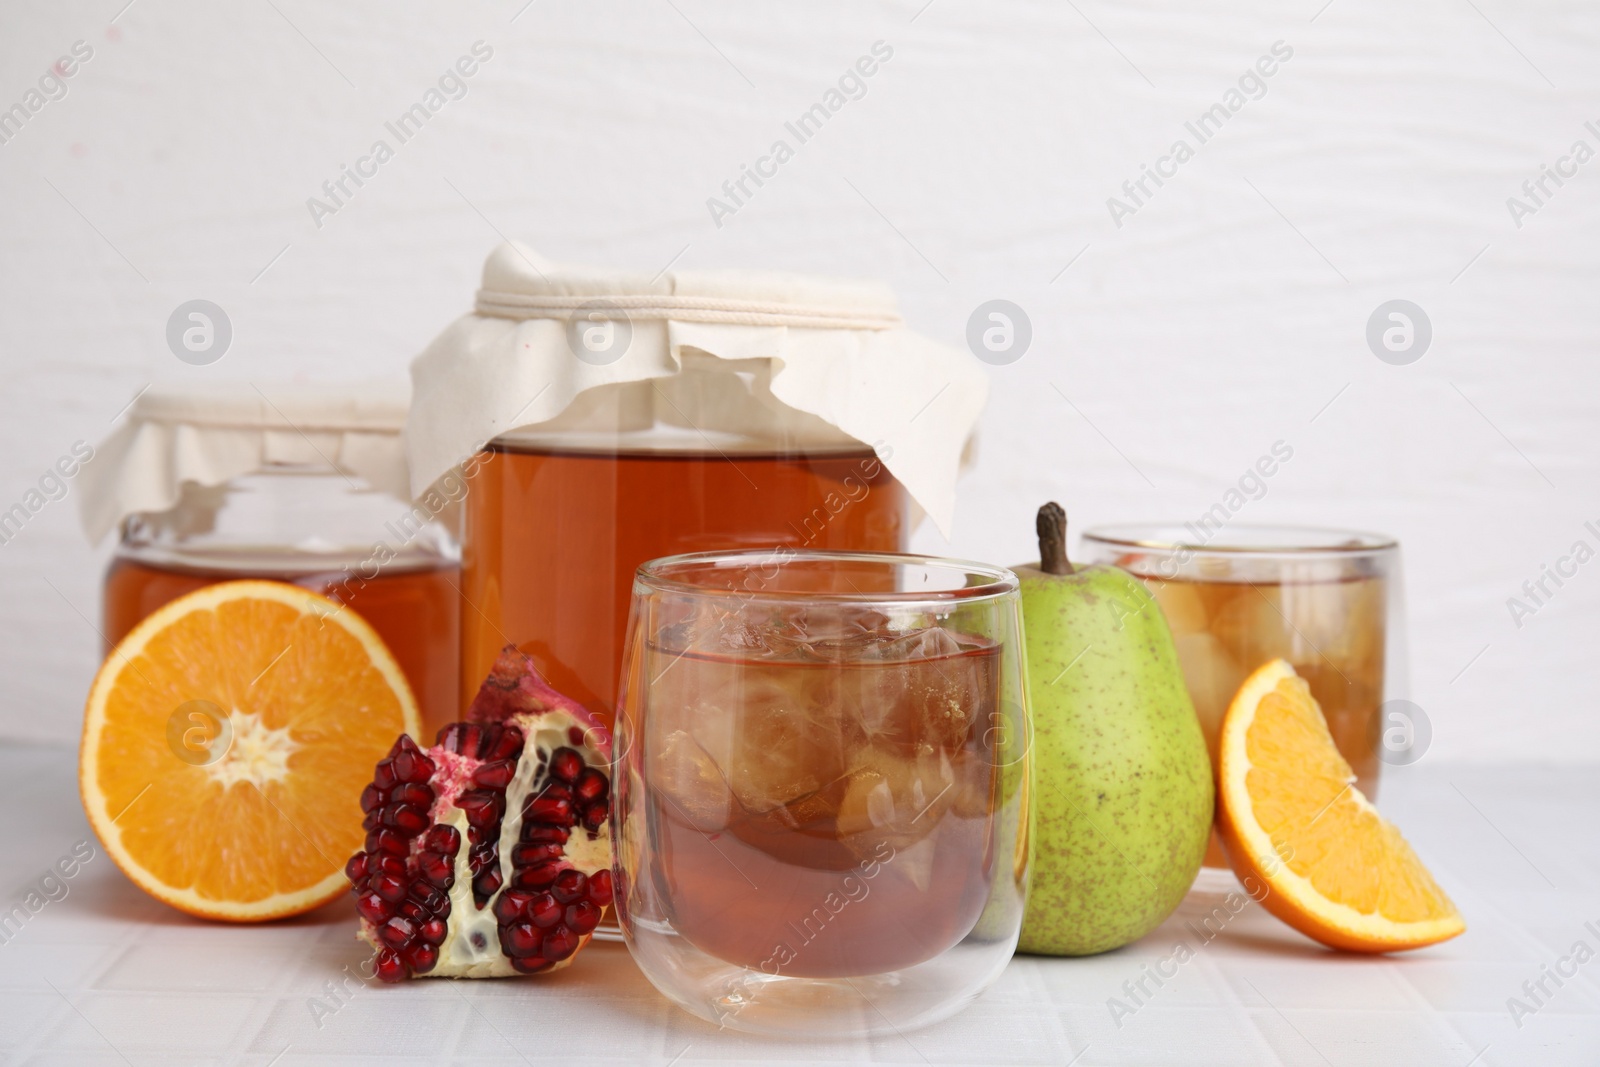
{"points": [[413, 910], [483, 809], [383, 776], [541, 875], [436, 869], [389, 887], [387, 841], [582, 916], [412, 766], [541, 833], [520, 939], [543, 911], [507, 746], [434, 931], [403, 743], [566, 765], [374, 908], [390, 968], [468, 739], [549, 809], [481, 857], [575, 735], [528, 855], [444, 840], [496, 775], [371, 797], [421, 957], [397, 932], [529, 964], [571, 885], [405, 820], [600, 888], [430, 897], [595, 815], [356, 868], [556, 789], [591, 784], [385, 863], [486, 885], [560, 943], [417, 794], [372, 819], [512, 906]]}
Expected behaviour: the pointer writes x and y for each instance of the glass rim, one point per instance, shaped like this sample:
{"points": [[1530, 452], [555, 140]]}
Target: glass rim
{"points": [[1275, 540], [1001, 580]]}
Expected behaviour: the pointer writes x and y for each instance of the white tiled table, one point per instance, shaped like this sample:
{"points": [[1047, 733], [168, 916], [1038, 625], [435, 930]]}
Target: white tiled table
{"points": [[107, 976]]}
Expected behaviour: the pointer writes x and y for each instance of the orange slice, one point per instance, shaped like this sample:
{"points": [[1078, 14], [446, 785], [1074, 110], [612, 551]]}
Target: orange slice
{"points": [[1304, 840], [226, 742]]}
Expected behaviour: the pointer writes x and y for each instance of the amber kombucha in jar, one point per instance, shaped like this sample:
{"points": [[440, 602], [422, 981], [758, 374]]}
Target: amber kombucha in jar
{"points": [[411, 602], [309, 526], [553, 533]]}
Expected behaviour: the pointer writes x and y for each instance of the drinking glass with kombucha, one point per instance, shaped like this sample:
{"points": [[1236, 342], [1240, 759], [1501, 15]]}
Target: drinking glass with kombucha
{"points": [[821, 786], [1327, 601]]}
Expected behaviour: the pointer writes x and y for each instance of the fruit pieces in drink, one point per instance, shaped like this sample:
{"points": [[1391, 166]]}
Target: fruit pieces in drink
{"points": [[309, 696], [821, 742], [1293, 820], [489, 854], [820, 798], [1331, 631]]}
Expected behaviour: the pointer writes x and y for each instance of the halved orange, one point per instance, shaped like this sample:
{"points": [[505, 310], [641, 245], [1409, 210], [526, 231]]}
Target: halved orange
{"points": [[1304, 840], [226, 742]]}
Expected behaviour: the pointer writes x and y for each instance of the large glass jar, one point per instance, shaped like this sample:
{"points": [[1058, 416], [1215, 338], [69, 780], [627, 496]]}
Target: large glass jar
{"points": [[611, 419], [317, 514]]}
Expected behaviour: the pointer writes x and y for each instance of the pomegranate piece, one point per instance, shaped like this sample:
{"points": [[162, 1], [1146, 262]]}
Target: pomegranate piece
{"points": [[488, 854]]}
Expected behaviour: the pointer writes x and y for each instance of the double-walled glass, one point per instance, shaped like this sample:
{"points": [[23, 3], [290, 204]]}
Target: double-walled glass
{"points": [[822, 786], [1327, 601]]}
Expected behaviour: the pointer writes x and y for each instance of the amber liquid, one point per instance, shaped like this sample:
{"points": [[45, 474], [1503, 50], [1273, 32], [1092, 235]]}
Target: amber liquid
{"points": [[415, 608], [553, 539], [1331, 632], [821, 819]]}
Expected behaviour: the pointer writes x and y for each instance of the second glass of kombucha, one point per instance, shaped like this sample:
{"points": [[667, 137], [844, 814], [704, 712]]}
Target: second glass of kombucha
{"points": [[1327, 601]]}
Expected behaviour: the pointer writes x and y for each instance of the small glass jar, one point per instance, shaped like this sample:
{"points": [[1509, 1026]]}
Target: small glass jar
{"points": [[319, 524]]}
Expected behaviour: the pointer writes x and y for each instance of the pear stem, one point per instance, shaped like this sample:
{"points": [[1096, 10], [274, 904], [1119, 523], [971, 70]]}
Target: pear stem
{"points": [[1052, 527]]}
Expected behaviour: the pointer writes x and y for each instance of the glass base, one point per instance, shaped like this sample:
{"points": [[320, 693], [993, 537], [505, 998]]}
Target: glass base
{"points": [[741, 998]]}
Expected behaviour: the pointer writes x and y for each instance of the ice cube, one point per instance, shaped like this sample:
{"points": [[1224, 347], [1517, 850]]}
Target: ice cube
{"points": [[1212, 677]]}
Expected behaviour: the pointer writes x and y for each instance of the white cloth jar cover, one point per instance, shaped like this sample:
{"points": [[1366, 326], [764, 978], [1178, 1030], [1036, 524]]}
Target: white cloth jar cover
{"points": [[734, 360], [208, 435]]}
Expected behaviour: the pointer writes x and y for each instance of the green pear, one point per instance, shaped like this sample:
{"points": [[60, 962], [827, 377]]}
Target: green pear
{"points": [[1123, 791]]}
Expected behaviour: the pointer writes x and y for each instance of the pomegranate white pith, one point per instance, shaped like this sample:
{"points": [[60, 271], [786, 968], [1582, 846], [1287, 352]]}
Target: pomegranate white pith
{"points": [[488, 855]]}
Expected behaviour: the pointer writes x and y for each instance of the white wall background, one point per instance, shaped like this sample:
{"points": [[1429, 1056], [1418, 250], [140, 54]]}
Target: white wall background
{"points": [[1227, 314]]}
